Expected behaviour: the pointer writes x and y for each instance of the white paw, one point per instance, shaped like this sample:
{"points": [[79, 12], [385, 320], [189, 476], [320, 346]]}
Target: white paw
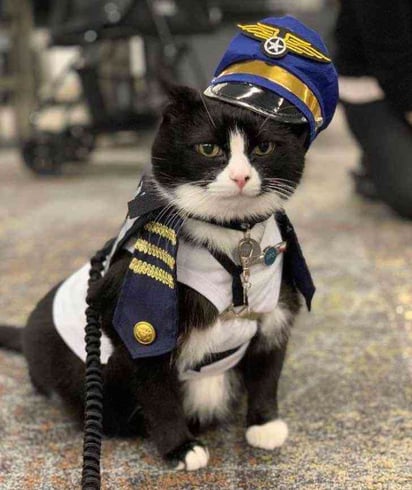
{"points": [[267, 436], [194, 459]]}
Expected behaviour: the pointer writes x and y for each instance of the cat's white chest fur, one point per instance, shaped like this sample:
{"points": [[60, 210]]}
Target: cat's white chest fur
{"points": [[223, 336], [208, 391], [207, 394]]}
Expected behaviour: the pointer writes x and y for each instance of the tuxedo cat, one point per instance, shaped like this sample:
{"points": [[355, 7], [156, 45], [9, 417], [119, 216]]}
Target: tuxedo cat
{"points": [[213, 163]]}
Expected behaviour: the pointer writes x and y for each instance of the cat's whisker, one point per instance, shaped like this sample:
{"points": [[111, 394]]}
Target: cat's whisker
{"points": [[290, 191], [283, 195], [166, 178], [203, 181], [284, 192], [281, 186], [170, 180], [185, 218], [207, 110], [281, 182], [280, 179], [175, 215], [262, 125], [298, 173], [172, 220], [162, 213]]}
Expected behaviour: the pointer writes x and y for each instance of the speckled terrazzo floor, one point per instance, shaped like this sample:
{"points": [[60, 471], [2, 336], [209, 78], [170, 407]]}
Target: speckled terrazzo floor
{"points": [[346, 389]]}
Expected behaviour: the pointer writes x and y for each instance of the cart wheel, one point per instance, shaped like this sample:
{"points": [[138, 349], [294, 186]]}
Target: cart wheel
{"points": [[79, 143], [43, 155]]}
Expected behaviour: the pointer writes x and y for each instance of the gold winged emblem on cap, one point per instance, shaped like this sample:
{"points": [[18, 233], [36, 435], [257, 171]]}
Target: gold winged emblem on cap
{"points": [[293, 42]]}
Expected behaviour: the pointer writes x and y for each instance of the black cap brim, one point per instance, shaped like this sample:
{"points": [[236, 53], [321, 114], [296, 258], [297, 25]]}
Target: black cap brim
{"points": [[258, 100]]}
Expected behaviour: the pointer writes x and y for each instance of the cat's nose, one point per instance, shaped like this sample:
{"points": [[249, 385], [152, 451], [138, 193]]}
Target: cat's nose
{"points": [[240, 180]]}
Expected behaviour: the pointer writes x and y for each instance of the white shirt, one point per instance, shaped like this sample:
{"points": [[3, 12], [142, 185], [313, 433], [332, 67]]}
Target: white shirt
{"points": [[197, 268]]}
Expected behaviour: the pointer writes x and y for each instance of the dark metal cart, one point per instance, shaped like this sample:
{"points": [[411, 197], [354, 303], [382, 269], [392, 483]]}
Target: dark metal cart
{"points": [[115, 99]]}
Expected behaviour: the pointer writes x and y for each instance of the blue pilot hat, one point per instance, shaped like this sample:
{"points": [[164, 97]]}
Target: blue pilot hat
{"points": [[280, 68]]}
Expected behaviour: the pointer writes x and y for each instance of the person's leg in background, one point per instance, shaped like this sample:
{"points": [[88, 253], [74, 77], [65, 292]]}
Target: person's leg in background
{"points": [[367, 62], [386, 141]]}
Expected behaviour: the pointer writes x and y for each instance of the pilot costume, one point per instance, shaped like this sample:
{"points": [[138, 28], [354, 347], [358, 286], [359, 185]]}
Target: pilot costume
{"points": [[276, 67]]}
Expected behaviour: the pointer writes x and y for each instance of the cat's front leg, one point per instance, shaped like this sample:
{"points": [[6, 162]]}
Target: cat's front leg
{"points": [[261, 368], [158, 394]]}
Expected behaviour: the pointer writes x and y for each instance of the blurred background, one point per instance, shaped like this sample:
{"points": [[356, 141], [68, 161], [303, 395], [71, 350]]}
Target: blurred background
{"points": [[80, 99], [75, 74]]}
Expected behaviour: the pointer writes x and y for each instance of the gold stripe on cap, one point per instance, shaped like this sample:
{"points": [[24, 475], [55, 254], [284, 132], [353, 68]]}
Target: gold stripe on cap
{"points": [[282, 77]]}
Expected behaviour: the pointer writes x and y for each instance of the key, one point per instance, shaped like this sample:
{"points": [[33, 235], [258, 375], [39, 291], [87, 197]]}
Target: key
{"points": [[245, 284], [248, 250]]}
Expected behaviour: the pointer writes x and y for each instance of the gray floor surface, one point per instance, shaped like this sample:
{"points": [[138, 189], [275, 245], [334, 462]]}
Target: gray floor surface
{"points": [[346, 388]]}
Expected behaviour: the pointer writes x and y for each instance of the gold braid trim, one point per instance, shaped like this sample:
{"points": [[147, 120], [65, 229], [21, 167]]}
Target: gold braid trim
{"points": [[148, 248], [156, 273], [162, 230]]}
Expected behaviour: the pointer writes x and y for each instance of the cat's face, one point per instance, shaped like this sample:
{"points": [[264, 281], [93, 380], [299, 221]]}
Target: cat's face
{"points": [[214, 160]]}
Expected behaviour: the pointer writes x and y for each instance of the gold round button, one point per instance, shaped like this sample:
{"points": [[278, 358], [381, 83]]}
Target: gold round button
{"points": [[144, 333]]}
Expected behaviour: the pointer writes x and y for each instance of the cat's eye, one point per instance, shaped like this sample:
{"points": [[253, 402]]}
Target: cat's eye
{"points": [[209, 150], [264, 148]]}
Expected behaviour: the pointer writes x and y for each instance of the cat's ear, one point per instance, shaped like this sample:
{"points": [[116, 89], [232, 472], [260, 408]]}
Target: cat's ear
{"points": [[179, 99], [180, 94]]}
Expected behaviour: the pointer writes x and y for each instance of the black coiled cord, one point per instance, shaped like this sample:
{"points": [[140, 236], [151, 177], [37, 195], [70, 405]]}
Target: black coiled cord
{"points": [[93, 416]]}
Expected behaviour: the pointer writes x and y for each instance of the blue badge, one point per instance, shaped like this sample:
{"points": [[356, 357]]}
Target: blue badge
{"points": [[270, 254]]}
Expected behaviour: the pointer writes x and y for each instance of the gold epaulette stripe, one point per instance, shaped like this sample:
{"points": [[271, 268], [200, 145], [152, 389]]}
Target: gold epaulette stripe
{"points": [[152, 271], [149, 249], [162, 230]]}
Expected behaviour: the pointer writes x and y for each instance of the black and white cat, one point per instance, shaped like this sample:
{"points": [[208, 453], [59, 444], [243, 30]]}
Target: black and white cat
{"points": [[218, 163]]}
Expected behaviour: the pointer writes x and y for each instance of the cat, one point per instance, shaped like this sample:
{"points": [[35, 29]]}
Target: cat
{"points": [[215, 163]]}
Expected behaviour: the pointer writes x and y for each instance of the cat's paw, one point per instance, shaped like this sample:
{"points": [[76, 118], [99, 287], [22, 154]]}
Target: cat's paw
{"points": [[267, 436], [190, 456]]}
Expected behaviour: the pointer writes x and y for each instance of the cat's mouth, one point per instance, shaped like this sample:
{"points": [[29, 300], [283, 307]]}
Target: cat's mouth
{"points": [[224, 204], [234, 192]]}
